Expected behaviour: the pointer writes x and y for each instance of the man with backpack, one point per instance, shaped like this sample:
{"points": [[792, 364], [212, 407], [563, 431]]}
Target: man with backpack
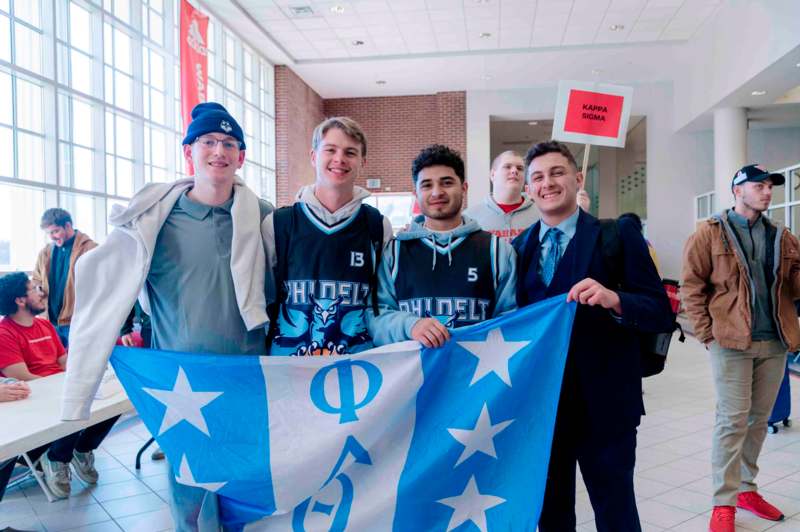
{"points": [[601, 393], [741, 276], [444, 271], [324, 251]]}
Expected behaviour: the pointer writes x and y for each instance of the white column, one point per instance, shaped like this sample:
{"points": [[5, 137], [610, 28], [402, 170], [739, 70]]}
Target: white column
{"points": [[730, 151]]}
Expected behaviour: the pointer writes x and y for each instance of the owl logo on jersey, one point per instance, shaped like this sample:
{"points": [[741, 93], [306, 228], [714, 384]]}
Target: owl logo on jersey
{"points": [[325, 329]]}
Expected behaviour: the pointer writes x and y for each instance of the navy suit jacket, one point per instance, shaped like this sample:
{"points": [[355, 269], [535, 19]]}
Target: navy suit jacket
{"points": [[602, 379]]}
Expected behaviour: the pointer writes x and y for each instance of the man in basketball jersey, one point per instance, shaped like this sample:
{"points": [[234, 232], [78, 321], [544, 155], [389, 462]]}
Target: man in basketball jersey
{"points": [[444, 271], [324, 251]]}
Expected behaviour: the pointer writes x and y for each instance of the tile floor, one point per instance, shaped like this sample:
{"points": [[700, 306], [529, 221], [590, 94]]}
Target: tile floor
{"points": [[672, 473]]}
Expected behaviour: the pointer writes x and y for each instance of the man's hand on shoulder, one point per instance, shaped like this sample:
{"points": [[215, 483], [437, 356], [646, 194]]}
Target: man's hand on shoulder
{"points": [[14, 391], [590, 292], [430, 332]]}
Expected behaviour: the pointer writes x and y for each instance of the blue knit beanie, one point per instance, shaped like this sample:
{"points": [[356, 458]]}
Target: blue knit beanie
{"points": [[211, 117]]}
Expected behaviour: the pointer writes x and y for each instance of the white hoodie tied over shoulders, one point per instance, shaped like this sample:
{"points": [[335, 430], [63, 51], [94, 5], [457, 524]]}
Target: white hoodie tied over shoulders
{"points": [[109, 278]]}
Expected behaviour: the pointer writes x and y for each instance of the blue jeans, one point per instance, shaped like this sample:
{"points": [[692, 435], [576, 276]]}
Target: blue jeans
{"points": [[82, 441], [6, 468], [194, 509], [63, 334]]}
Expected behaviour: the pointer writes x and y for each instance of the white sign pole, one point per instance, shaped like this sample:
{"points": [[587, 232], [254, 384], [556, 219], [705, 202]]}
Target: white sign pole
{"points": [[585, 167]]}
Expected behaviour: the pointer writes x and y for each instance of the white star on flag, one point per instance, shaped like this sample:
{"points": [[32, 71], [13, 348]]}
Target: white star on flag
{"points": [[186, 478], [493, 355], [471, 505], [183, 404], [480, 437]]}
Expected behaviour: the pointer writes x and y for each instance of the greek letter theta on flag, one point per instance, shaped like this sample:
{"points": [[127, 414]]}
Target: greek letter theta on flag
{"points": [[395, 438]]}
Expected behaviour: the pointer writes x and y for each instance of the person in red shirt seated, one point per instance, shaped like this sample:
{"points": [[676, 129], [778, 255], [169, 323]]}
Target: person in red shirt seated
{"points": [[30, 349]]}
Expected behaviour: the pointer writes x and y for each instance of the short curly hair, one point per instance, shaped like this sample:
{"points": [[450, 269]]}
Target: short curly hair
{"points": [[434, 155], [12, 286]]}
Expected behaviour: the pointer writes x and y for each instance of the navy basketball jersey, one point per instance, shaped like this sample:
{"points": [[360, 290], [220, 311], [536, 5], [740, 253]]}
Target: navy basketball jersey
{"points": [[326, 287], [459, 290]]}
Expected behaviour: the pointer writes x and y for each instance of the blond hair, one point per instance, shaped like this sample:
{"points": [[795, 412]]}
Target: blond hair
{"points": [[496, 160], [348, 126]]}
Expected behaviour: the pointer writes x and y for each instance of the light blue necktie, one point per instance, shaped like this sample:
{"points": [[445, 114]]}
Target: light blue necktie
{"points": [[553, 254]]}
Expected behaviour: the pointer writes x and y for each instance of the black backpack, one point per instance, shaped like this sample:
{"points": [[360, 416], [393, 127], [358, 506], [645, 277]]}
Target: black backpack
{"points": [[653, 346], [283, 219]]}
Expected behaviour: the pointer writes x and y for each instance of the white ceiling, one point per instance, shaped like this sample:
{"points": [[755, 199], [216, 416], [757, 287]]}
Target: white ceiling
{"points": [[429, 46], [391, 28]]}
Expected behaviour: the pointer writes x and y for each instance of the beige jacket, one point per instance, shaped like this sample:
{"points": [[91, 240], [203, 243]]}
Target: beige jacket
{"points": [[716, 287], [41, 274]]}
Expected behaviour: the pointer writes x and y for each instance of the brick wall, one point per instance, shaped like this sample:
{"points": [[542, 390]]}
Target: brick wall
{"points": [[298, 109], [397, 127]]}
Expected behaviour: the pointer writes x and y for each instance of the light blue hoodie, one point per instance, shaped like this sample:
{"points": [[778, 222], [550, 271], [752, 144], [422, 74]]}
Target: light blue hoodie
{"points": [[394, 325]]}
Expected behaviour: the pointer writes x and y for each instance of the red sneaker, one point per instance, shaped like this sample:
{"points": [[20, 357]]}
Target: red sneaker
{"points": [[753, 502], [722, 519]]}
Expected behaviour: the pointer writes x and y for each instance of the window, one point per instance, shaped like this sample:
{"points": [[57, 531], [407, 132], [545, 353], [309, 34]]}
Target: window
{"points": [[785, 206], [703, 206], [396, 207], [90, 103], [20, 207]]}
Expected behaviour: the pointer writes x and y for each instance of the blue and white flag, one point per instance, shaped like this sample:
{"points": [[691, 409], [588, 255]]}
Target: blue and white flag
{"points": [[395, 438]]}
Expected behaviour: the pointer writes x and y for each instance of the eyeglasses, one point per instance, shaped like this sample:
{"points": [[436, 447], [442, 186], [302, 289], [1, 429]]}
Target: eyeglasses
{"points": [[211, 143]]}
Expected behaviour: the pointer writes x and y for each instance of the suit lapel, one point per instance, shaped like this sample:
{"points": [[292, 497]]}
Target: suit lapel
{"points": [[537, 247], [585, 239]]}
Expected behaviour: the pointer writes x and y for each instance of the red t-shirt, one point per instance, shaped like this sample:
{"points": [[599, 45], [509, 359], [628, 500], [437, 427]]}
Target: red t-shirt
{"points": [[37, 346], [508, 207]]}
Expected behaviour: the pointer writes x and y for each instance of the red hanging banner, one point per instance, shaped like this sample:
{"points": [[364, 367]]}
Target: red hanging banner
{"points": [[194, 59]]}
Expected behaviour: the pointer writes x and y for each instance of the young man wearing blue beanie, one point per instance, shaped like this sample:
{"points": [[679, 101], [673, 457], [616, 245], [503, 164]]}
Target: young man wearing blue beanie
{"points": [[325, 250], [176, 246]]}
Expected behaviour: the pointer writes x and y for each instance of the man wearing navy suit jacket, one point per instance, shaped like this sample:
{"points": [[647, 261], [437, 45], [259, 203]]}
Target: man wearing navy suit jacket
{"points": [[601, 394]]}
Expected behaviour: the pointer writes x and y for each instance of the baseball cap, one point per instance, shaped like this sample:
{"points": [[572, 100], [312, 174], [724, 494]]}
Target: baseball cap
{"points": [[756, 173]]}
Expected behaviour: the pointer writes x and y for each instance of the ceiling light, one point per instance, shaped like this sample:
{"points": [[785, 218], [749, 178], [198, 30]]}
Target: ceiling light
{"points": [[533, 123], [617, 27], [596, 71], [758, 93], [485, 35], [798, 65], [486, 77], [337, 9], [357, 42], [380, 82], [301, 11], [481, 1]]}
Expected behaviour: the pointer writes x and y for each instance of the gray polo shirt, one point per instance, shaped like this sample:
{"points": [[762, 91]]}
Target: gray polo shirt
{"points": [[190, 284]]}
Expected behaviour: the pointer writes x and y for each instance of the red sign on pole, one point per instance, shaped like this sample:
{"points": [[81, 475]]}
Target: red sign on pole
{"points": [[593, 113], [194, 59]]}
